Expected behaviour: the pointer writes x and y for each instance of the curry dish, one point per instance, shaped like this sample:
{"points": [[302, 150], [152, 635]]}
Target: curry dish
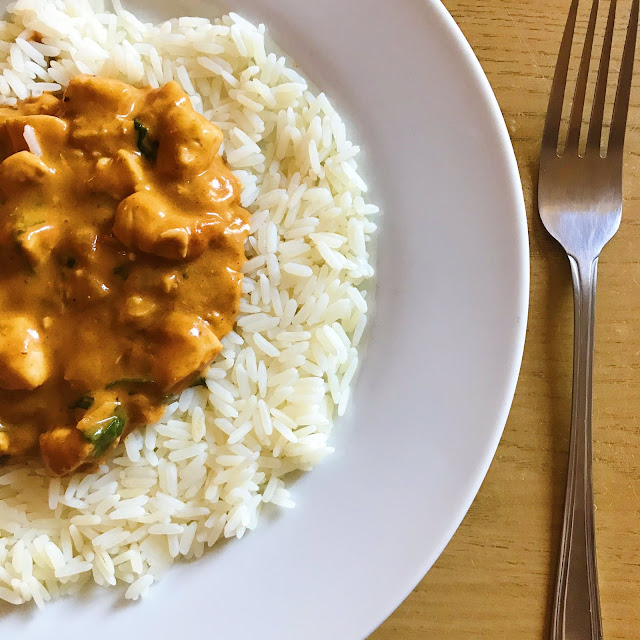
{"points": [[121, 243]]}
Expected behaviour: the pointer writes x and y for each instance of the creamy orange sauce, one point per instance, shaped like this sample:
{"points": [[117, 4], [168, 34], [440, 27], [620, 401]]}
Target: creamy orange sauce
{"points": [[121, 244]]}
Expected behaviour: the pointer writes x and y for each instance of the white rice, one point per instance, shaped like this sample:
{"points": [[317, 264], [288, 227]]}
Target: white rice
{"points": [[221, 450], [31, 139]]}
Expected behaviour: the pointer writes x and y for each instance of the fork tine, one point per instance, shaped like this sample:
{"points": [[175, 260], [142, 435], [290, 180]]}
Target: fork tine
{"points": [[556, 98], [621, 105], [577, 108], [597, 112]]}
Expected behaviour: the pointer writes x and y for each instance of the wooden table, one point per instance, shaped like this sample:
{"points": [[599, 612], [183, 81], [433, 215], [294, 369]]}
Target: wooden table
{"points": [[496, 577]]}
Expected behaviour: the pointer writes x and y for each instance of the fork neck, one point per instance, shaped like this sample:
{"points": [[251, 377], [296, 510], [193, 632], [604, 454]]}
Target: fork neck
{"points": [[584, 273], [576, 612]]}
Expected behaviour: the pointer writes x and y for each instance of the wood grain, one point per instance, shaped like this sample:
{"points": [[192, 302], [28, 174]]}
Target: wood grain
{"points": [[496, 577]]}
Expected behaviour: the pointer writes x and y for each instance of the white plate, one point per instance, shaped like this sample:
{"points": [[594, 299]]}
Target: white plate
{"points": [[443, 358]]}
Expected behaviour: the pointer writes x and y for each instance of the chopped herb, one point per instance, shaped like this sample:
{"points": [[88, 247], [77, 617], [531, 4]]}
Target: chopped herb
{"points": [[83, 402], [148, 148], [124, 382], [106, 431], [23, 224], [122, 271]]}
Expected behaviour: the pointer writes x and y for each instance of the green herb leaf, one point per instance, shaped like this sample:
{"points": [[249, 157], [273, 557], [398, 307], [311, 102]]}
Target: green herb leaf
{"points": [[147, 147], [106, 431], [84, 402], [124, 382], [24, 223]]}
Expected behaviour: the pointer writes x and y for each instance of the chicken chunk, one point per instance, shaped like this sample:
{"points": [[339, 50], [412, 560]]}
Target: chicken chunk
{"points": [[23, 361], [188, 144], [21, 171], [213, 188], [138, 310], [46, 104], [91, 99], [143, 221], [37, 242], [64, 449], [83, 287], [118, 176], [184, 346], [50, 132], [18, 441], [160, 100], [93, 95]]}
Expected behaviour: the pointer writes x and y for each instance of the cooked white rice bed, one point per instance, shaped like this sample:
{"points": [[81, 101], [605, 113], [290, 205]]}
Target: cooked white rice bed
{"points": [[221, 451]]}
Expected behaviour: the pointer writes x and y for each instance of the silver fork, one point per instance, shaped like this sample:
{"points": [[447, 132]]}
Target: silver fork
{"points": [[580, 203]]}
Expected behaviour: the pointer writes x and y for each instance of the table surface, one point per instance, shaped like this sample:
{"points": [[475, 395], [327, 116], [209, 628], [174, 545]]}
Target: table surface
{"points": [[496, 578]]}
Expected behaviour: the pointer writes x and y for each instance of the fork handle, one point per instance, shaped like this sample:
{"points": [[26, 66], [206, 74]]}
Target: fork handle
{"points": [[576, 611]]}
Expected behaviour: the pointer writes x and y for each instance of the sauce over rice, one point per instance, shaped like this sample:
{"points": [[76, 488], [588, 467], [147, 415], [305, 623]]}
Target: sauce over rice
{"points": [[121, 244]]}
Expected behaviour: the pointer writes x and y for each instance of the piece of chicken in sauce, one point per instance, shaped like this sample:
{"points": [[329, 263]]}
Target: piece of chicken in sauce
{"points": [[121, 243]]}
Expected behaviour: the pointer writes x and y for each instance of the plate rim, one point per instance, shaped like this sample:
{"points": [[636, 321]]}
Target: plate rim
{"points": [[520, 213], [487, 102]]}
